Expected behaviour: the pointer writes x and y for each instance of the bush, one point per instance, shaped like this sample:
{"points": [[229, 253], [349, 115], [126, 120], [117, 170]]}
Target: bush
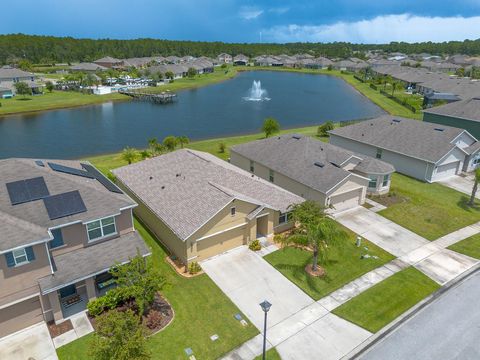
{"points": [[194, 268], [325, 128], [223, 66], [154, 319], [222, 147], [110, 300], [255, 245]]}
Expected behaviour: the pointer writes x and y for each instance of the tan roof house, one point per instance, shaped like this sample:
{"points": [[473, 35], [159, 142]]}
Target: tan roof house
{"points": [[63, 225], [200, 206]]}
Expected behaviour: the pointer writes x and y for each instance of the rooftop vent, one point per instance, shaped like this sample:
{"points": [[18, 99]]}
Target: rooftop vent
{"points": [[439, 129], [371, 124], [39, 163], [163, 187], [150, 178], [334, 164], [296, 137], [396, 120], [178, 175], [319, 164]]}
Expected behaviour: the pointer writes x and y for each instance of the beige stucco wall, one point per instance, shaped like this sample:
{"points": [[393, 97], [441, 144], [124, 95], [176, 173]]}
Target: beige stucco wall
{"points": [[19, 316]]}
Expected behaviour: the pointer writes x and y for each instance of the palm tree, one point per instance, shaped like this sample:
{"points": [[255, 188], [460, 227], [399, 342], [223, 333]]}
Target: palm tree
{"points": [[183, 140], [315, 230], [471, 202], [129, 154]]}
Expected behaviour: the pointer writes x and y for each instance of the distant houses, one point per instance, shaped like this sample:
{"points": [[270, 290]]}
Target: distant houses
{"points": [[109, 62], [225, 58], [9, 76]]}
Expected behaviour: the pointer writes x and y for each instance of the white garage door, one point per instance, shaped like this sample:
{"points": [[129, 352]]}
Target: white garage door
{"points": [[346, 200], [447, 170]]}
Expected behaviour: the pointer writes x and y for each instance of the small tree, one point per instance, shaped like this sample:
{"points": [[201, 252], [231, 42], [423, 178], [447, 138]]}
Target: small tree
{"points": [[170, 142], [140, 276], [155, 147], [21, 88], [129, 154], [191, 72], [183, 140], [223, 66], [49, 86], [325, 128], [471, 202], [169, 75], [270, 127], [221, 147], [119, 336]]}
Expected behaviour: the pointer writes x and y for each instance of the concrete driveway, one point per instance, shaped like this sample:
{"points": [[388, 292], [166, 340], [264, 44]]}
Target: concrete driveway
{"points": [[247, 280], [33, 342], [460, 183], [382, 232]]}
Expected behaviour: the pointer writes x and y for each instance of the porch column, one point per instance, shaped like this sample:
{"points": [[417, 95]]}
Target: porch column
{"points": [[91, 291], [55, 304]]}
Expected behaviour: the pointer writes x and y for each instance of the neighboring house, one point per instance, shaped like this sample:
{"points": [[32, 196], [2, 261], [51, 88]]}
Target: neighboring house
{"points": [[428, 152], [224, 58], [240, 59], [5, 93], [61, 231], [87, 67], [109, 62], [9, 76], [200, 206], [314, 170]]}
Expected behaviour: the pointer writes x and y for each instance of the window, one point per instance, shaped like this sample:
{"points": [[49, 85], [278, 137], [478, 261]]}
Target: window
{"points": [[386, 179], [233, 211], [476, 161], [372, 184], [20, 256], [101, 228], [283, 218], [57, 239], [271, 176], [252, 166], [379, 154]]}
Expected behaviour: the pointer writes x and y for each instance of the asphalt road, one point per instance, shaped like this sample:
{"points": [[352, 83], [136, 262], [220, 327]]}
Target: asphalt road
{"points": [[448, 328]]}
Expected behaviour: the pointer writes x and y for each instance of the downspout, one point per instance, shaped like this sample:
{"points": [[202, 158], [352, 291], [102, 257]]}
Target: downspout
{"points": [[49, 258]]}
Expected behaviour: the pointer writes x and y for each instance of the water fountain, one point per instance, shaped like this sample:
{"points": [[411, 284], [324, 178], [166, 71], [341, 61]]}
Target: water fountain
{"points": [[257, 93]]}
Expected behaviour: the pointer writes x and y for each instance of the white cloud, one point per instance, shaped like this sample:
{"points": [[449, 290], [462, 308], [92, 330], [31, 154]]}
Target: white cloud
{"points": [[250, 13], [279, 10], [381, 29]]}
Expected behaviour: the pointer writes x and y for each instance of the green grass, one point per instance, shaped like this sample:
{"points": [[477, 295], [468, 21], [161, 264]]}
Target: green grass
{"points": [[384, 302], [469, 246], [343, 266], [430, 210], [271, 354], [54, 100], [201, 310]]}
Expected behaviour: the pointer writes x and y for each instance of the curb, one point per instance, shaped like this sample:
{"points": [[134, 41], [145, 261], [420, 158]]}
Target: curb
{"points": [[390, 328]]}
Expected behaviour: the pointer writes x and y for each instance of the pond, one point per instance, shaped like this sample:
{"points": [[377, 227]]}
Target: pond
{"points": [[224, 109]]}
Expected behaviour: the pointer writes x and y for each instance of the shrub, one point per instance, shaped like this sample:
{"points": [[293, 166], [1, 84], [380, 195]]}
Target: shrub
{"points": [[325, 128], [194, 268], [223, 66], [255, 245], [110, 300], [154, 319], [222, 147]]}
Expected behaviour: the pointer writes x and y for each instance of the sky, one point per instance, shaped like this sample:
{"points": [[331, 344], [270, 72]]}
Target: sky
{"points": [[357, 21]]}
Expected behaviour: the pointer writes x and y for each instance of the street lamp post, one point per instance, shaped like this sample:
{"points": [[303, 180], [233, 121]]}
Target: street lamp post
{"points": [[265, 305]]}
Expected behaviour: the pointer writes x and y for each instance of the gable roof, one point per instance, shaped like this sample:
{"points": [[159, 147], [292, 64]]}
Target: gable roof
{"points": [[464, 109], [108, 59], [186, 188], [27, 223], [413, 138], [295, 156], [10, 73]]}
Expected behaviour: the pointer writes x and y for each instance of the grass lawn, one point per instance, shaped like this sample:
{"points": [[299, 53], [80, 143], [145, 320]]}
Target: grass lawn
{"points": [[469, 246], [54, 100], [430, 210], [271, 354], [201, 310], [384, 302], [344, 265]]}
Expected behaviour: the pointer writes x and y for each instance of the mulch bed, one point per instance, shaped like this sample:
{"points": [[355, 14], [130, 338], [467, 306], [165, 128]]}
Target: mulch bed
{"points": [[160, 304], [59, 329], [180, 268], [320, 272]]}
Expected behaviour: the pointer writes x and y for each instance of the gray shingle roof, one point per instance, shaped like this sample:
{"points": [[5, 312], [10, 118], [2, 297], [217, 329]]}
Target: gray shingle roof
{"points": [[186, 188], [26, 223], [86, 66], [465, 109], [413, 138], [295, 156], [10, 73], [91, 260]]}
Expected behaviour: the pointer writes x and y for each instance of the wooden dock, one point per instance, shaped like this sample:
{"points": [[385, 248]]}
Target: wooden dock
{"points": [[159, 98]]}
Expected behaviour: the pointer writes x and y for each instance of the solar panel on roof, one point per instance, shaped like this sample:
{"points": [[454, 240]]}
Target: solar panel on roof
{"points": [[102, 179], [23, 191], [66, 204], [69, 170]]}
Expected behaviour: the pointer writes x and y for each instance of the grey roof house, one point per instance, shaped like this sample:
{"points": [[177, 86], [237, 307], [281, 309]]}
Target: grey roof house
{"points": [[315, 170], [428, 152]]}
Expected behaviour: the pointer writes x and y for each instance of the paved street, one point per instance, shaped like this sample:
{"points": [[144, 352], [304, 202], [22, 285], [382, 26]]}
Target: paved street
{"points": [[447, 329]]}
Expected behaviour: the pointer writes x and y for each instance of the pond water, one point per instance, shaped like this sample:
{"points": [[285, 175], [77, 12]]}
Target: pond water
{"points": [[227, 108]]}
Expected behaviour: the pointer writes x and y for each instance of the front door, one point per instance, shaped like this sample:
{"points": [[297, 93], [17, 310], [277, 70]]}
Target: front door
{"points": [[262, 226], [67, 291]]}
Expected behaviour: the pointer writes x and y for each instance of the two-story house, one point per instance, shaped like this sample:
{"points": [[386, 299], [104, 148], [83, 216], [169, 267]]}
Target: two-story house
{"points": [[63, 225]]}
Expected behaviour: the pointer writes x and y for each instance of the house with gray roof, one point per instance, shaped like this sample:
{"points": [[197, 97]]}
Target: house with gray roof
{"points": [[426, 151], [328, 174], [87, 67], [63, 225], [9, 76], [200, 206]]}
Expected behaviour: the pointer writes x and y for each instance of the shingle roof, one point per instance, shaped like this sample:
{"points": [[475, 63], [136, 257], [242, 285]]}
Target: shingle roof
{"points": [[465, 109], [108, 59], [186, 188], [92, 260], [10, 73], [413, 138], [87, 67], [295, 156], [26, 223]]}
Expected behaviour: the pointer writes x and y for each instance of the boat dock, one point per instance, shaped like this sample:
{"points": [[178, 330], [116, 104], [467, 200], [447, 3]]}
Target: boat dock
{"points": [[159, 98]]}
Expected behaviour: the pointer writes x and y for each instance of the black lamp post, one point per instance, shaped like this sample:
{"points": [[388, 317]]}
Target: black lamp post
{"points": [[265, 307]]}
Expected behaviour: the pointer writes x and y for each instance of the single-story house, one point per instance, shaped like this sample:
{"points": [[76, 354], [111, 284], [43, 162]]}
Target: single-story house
{"points": [[109, 62], [240, 59], [425, 151], [200, 206], [87, 67], [314, 170]]}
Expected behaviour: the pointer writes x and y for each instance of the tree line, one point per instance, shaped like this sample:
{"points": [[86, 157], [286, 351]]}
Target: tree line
{"points": [[50, 49]]}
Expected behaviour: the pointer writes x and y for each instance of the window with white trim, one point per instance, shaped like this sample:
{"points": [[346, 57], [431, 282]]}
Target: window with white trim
{"points": [[233, 211], [372, 184], [386, 179], [271, 175], [379, 154], [283, 218], [252, 166], [101, 228], [20, 256]]}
